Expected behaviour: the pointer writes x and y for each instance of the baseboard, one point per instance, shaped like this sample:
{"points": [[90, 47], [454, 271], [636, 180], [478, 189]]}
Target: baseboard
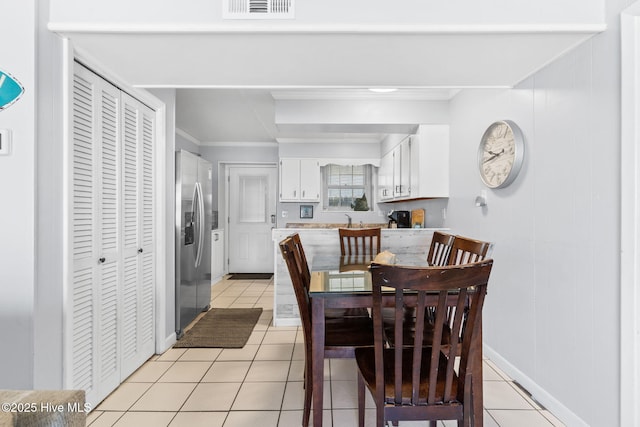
{"points": [[286, 322], [539, 394], [168, 343]]}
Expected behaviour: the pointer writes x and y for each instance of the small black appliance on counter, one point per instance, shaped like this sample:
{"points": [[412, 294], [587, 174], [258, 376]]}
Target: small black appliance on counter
{"points": [[401, 218]]}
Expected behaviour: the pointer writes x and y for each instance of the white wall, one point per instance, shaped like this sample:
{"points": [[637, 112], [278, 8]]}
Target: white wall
{"points": [[18, 197], [552, 312], [338, 11]]}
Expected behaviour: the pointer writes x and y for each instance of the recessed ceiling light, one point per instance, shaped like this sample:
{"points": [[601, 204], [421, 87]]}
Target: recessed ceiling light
{"points": [[382, 89]]}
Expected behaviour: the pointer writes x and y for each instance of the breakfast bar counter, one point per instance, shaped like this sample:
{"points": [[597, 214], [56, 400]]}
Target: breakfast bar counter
{"points": [[321, 240]]}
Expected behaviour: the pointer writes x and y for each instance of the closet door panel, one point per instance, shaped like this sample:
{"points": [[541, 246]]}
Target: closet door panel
{"points": [[92, 360], [147, 230], [138, 295], [109, 238]]}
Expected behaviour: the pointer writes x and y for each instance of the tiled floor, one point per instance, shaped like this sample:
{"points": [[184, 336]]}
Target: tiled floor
{"points": [[261, 384]]}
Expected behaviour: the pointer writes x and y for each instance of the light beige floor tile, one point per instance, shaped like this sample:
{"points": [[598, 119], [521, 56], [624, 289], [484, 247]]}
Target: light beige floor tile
{"points": [[259, 397], [294, 396], [296, 371], [298, 351], [106, 419], [248, 352], [344, 395], [233, 372], [212, 397], [150, 372], [199, 419], [92, 416], [242, 305], [124, 397], [223, 302], [501, 395], [145, 419], [275, 352], [344, 369], [490, 374], [164, 397], [185, 372], [262, 370], [526, 395], [552, 418], [252, 419], [246, 299], [256, 337], [294, 419], [520, 418], [172, 354], [497, 370], [201, 354], [280, 337], [349, 418]]}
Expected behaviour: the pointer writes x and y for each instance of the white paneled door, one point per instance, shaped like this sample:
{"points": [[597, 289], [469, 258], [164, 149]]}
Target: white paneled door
{"points": [[252, 210], [109, 329]]}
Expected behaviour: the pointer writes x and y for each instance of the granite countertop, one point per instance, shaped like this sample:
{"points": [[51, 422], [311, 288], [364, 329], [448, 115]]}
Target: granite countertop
{"points": [[331, 225]]}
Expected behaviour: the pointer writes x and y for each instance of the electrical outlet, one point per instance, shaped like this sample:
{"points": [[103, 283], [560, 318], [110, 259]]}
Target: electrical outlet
{"points": [[444, 213], [285, 214]]}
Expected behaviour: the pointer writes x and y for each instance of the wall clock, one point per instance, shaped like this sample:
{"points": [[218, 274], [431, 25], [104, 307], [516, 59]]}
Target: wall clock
{"points": [[500, 154]]}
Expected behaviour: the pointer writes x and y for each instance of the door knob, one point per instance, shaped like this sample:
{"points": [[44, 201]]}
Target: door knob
{"points": [[102, 260], [140, 250]]}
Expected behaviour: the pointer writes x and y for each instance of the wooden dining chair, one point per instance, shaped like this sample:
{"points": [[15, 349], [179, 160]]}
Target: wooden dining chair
{"points": [[465, 250], [359, 241], [303, 267], [417, 380], [440, 248], [342, 334], [439, 251]]}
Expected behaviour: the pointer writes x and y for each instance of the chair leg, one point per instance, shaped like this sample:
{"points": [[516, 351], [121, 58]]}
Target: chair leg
{"points": [[360, 400], [308, 391]]}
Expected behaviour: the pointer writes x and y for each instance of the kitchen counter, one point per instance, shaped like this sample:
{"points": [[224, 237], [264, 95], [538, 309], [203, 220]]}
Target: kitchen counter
{"points": [[331, 225], [325, 241]]}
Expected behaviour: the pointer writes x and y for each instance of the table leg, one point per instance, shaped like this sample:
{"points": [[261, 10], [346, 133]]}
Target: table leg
{"points": [[317, 345]]}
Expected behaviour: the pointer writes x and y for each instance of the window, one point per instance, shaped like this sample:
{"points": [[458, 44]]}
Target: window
{"points": [[347, 187]]}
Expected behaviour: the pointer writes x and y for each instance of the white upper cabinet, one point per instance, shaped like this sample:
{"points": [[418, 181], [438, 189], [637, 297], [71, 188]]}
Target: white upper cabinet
{"points": [[417, 167], [430, 162], [299, 180]]}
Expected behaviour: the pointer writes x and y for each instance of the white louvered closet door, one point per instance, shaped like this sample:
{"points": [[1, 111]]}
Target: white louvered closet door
{"points": [[110, 326], [138, 234], [93, 361]]}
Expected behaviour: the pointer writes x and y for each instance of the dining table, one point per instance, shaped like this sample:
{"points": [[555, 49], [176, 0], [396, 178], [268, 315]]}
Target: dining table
{"points": [[345, 282]]}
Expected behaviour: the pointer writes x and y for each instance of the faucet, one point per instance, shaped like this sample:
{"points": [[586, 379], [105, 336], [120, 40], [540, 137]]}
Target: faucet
{"points": [[349, 221]]}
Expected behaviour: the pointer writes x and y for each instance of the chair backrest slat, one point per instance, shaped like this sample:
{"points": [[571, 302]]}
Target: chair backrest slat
{"points": [[359, 241]]}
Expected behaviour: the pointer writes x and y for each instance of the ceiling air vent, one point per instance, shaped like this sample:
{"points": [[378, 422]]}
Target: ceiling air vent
{"points": [[258, 9]]}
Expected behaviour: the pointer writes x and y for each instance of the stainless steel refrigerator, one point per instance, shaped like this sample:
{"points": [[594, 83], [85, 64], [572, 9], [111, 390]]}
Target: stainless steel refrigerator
{"points": [[193, 237]]}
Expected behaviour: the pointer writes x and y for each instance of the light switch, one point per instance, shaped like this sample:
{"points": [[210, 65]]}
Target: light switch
{"points": [[5, 142]]}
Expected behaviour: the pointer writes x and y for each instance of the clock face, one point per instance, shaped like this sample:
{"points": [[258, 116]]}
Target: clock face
{"points": [[500, 154]]}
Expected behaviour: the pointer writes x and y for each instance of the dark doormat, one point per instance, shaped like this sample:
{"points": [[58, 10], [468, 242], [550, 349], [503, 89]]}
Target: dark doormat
{"points": [[221, 328], [250, 276]]}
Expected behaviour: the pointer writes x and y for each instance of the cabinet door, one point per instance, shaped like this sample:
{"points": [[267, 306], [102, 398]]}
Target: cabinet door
{"points": [[430, 162], [385, 177], [404, 150], [309, 180], [289, 180]]}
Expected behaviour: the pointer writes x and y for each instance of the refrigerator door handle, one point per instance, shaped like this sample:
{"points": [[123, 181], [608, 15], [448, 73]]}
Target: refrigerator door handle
{"points": [[201, 230]]}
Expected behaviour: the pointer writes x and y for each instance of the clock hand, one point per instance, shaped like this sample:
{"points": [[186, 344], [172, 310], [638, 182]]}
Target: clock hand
{"points": [[494, 155]]}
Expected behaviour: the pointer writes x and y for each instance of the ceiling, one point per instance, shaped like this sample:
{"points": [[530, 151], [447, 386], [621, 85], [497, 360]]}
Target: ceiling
{"points": [[228, 83]]}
